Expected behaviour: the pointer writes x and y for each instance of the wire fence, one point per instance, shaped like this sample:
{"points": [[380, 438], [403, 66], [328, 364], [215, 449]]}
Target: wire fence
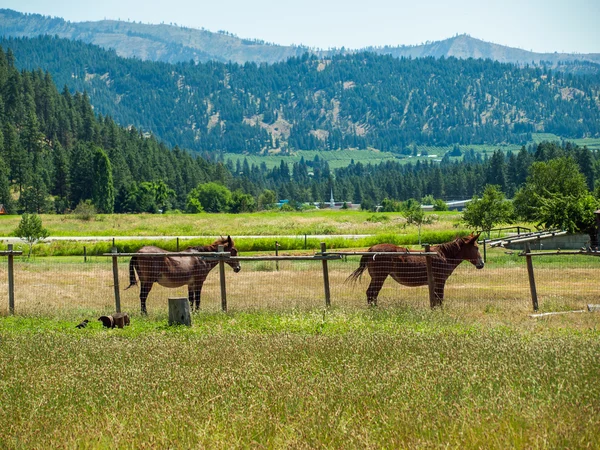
{"points": [[46, 286]]}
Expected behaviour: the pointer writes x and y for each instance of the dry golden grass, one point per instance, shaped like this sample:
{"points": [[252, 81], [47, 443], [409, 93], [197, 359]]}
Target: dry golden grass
{"points": [[49, 287]]}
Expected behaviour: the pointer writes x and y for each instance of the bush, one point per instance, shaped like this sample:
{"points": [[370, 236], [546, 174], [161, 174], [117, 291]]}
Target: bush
{"points": [[85, 210]]}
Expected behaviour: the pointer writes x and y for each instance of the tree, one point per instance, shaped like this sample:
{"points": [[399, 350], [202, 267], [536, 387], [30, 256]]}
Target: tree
{"points": [[267, 199], [103, 191], [488, 211], [30, 230], [570, 213], [209, 197], [557, 177], [414, 214], [241, 202]]}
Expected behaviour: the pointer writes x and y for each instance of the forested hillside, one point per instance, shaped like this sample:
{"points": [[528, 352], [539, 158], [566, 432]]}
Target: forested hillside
{"points": [[55, 153], [354, 101]]}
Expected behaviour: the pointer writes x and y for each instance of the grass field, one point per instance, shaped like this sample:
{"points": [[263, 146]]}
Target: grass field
{"points": [[342, 158], [293, 230], [272, 223], [385, 378], [279, 370]]}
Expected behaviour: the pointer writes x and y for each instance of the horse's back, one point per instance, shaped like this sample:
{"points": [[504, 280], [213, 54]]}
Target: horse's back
{"points": [[151, 249], [387, 248]]}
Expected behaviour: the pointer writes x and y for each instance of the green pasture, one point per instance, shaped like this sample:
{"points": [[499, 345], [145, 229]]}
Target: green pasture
{"points": [[251, 231], [479, 373], [373, 378], [342, 158]]}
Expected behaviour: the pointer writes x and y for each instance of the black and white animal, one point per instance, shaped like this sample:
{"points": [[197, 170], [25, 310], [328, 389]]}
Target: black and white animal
{"points": [[82, 324]]}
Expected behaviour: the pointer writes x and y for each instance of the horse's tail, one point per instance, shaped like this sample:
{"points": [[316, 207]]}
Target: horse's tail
{"points": [[358, 272], [133, 267]]}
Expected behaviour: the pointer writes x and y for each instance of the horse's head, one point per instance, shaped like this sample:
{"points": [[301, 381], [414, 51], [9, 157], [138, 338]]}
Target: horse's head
{"points": [[469, 251], [230, 247]]}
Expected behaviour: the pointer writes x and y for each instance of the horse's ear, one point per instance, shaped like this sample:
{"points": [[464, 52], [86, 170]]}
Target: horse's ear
{"points": [[229, 239], [474, 237]]}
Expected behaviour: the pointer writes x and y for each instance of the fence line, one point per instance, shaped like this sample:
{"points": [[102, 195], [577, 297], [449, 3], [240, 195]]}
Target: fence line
{"points": [[42, 286]]}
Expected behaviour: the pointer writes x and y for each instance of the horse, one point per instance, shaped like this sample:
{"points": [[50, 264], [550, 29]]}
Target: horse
{"points": [[411, 270], [176, 271]]}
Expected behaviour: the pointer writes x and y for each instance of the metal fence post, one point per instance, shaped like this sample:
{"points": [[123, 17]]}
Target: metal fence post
{"points": [[221, 249], [115, 266], [433, 300], [484, 251], [11, 281], [534, 299], [326, 276]]}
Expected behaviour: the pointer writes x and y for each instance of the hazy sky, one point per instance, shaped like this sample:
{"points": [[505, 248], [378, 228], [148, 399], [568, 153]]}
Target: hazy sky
{"points": [[538, 25]]}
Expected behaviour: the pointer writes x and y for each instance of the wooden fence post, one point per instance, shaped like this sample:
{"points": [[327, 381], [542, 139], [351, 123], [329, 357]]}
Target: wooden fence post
{"points": [[433, 300], [277, 254], [326, 277], [179, 311], [532, 288], [115, 265], [11, 281], [221, 248]]}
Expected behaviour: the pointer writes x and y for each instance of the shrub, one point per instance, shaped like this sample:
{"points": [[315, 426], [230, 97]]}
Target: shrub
{"points": [[85, 210]]}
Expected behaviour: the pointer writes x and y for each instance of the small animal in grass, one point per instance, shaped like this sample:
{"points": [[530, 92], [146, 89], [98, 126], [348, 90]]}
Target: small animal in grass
{"points": [[82, 324], [116, 320]]}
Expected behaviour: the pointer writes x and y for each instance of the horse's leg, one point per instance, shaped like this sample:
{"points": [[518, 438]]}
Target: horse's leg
{"points": [[191, 296], [197, 297], [145, 288], [198, 283], [377, 280], [438, 292]]}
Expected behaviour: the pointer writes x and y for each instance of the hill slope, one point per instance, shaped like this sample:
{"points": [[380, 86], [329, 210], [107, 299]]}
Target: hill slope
{"points": [[171, 43], [346, 101]]}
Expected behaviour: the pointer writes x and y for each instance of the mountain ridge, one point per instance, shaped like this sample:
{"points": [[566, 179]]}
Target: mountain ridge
{"points": [[361, 100], [172, 43]]}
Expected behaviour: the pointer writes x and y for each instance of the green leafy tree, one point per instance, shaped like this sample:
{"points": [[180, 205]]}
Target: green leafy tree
{"points": [[267, 199], [490, 210], [241, 202], [209, 197], [570, 213], [30, 230], [414, 214], [440, 205], [549, 179]]}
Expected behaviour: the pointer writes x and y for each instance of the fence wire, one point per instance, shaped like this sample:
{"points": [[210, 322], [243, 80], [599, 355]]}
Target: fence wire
{"points": [[57, 285]]}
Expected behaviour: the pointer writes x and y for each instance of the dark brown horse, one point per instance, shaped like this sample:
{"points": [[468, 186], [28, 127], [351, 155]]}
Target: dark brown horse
{"points": [[411, 270], [176, 271]]}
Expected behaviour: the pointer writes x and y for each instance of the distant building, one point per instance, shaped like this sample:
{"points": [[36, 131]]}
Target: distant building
{"points": [[2, 209], [454, 205]]}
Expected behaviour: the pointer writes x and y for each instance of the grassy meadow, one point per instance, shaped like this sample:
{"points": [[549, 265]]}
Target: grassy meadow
{"points": [[342, 158], [264, 223], [338, 378], [294, 230], [279, 370]]}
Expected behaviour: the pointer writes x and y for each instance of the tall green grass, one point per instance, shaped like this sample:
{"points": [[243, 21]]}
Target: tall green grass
{"points": [[317, 379], [95, 248]]}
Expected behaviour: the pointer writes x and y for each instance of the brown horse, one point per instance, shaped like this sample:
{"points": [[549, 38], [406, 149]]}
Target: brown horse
{"points": [[411, 270], [176, 271]]}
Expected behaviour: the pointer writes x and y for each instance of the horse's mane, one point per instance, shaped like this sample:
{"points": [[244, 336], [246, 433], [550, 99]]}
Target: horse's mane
{"points": [[214, 246], [449, 249]]}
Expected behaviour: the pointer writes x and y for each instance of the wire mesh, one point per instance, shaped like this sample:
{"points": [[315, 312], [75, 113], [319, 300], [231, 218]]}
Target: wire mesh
{"points": [[58, 285]]}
